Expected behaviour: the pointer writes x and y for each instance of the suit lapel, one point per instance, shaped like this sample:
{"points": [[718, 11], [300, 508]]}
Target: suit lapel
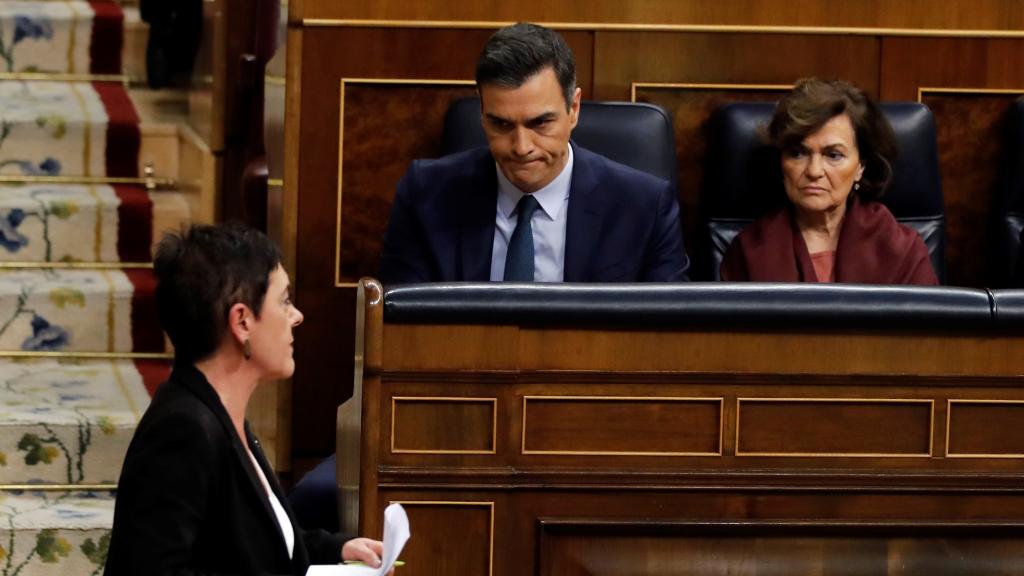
{"points": [[196, 382], [477, 201], [583, 223]]}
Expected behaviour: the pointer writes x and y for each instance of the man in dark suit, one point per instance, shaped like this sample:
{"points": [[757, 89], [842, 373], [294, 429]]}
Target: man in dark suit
{"points": [[471, 216]]}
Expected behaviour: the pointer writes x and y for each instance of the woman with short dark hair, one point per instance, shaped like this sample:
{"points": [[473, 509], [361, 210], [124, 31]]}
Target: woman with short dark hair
{"points": [[837, 151], [196, 494]]}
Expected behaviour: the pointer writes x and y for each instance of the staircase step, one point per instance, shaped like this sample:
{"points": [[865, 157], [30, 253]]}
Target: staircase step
{"points": [[85, 223], [67, 129], [69, 421], [46, 533], [79, 310], [69, 37]]}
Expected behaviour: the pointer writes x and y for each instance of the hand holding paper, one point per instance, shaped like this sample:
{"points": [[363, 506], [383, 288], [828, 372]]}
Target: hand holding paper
{"points": [[396, 534]]}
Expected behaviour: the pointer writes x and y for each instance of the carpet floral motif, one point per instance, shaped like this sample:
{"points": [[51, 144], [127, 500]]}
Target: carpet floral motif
{"points": [[58, 223], [65, 310], [43, 36], [67, 421], [52, 129], [54, 532]]}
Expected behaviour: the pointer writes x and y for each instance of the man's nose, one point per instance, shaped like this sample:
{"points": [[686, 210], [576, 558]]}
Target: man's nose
{"points": [[522, 143]]}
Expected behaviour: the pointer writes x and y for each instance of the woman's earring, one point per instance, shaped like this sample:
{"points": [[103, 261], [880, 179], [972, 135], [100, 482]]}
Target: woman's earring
{"points": [[247, 349], [856, 185]]}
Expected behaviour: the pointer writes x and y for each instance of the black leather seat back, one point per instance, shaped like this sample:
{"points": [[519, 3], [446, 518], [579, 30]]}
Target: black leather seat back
{"points": [[1012, 209], [743, 178], [635, 134]]}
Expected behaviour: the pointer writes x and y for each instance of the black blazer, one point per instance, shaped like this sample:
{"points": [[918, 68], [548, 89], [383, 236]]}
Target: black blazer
{"points": [[189, 500], [622, 224]]}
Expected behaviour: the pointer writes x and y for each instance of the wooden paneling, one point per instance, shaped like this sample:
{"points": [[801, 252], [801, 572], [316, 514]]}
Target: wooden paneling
{"points": [[910, 63], [622, 426], [970, 133], [426, 348], [443, 425], [986, 429], [464, 547], [622, 58], [956, 14], [830, 491], [372, 164], [756, 549], [821, 427]]}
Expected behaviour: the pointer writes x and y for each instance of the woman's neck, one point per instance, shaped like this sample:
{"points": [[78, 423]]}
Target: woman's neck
{"points": [[233, 383], [820, 230]]}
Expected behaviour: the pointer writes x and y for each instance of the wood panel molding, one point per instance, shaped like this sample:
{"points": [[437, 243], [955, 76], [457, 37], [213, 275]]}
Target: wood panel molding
{"points": [[443, 425], [622, 426], [894, 16], [834, 427]]}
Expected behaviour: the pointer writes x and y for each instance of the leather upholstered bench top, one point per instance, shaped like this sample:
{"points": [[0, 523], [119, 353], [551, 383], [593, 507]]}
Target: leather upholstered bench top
{"points": [[724, 304]]}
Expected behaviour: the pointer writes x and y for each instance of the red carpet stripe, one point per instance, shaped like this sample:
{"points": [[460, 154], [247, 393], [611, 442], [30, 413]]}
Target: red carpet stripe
{"points": [[146, 333], [153, 372], [107, 38], [123, 137], [135, 224]]}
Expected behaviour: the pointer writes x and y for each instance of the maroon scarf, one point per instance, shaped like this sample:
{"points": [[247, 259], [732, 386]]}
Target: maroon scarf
{"points": [[873, 249]]}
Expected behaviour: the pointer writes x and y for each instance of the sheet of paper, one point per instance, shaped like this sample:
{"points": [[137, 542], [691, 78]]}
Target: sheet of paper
{"points": [[396, 534]]}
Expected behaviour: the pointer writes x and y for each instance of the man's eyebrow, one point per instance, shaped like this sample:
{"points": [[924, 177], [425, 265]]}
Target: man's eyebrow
{"points": [[542, 118], [495, 118]]}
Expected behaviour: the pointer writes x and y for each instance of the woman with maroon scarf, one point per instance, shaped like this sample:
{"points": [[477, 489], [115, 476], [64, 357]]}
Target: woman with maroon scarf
{"points": [[837, 151]]}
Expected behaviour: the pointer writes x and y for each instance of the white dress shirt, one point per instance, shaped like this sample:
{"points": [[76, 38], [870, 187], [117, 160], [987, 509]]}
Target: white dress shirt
{"points": [[548, 225]]}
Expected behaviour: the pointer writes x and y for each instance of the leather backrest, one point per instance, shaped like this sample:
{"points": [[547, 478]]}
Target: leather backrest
{"points": [[743, 178], [686, 305], [1011, 209], [635, 134]]}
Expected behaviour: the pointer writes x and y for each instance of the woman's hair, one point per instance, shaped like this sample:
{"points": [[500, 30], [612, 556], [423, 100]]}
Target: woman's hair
{"points": [[201, 273], [813, 102]]}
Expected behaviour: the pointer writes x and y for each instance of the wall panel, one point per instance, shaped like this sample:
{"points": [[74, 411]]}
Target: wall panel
{"points": [[915, 14]]}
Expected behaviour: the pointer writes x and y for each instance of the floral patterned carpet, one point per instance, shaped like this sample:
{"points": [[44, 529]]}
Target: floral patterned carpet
{"points": [[80, 347]]}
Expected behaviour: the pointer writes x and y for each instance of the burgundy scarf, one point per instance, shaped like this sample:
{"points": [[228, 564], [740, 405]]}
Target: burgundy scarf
{"points": [[873, 249]]}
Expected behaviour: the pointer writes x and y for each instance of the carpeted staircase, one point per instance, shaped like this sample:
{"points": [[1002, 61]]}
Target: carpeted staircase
{"points": [[80, 348]]}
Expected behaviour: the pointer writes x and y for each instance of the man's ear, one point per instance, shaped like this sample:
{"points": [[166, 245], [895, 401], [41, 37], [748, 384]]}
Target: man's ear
{"points": [[574, 108], [240, 320]]}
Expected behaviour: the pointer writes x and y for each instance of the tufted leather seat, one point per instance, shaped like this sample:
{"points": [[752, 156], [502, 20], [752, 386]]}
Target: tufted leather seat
{"points": [[743, 179]]}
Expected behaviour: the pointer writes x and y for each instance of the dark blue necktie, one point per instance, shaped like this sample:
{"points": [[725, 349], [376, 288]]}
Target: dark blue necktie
{"points": [[519, 258]]}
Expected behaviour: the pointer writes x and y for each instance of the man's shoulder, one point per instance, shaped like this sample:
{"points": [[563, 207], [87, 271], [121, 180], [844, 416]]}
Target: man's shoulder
{"points": [[459, 164]]}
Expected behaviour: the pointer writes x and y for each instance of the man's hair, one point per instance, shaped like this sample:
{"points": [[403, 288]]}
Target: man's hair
{"points": [[515, 53], [201, 273], [813, 102]]}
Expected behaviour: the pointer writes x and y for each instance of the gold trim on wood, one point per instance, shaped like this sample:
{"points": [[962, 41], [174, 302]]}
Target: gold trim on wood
{"points": [[642, 27], [689, 399], [494, 423], [148, 182], [921, 90], [931, 428], [341, 149], [489, 505], [58, 487], [704, 86], [88, 355], [949, 417], [275, 182], [76, 265], [63, 77]]}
